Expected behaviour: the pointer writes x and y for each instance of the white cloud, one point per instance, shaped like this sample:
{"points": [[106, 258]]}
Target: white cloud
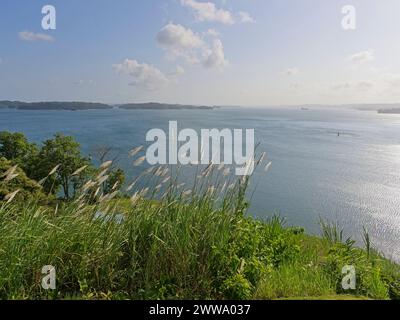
{"points": [[354, 86], [85, 82], [341, 86], [175, 35], [364, 85], [207, 11], [181, 42], [212, 33], [392, 80], [245, 17], [31, 36], [362, 57], [291, 71], [215, 57], [144, 76], [179, 71], [295, 86]]}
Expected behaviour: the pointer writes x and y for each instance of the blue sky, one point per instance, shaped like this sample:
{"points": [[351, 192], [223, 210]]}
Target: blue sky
{"points": [[228, 52]]}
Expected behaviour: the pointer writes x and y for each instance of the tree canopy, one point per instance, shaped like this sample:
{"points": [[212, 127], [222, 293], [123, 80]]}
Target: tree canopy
{"points": [[16, 147], [12, 180], [62, 153], [57, 164]]}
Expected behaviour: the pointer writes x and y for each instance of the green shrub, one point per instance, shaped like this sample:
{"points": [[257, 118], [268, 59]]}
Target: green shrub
{"points": [[237, 287], [28, 188], [369, 280], [254, 249], [294, 279]]}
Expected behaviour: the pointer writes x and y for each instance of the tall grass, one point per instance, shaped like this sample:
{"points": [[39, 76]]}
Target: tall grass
{"points": [[164, 246], [168, 241]]}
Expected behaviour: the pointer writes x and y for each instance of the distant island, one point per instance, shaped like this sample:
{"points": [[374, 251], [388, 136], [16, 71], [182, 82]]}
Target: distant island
{"points": [[77, 106], [160, 106], [390, 111], [72, 106]]}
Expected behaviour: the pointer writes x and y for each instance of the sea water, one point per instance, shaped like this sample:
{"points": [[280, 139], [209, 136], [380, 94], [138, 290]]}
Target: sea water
{"points": [[340, 164]]}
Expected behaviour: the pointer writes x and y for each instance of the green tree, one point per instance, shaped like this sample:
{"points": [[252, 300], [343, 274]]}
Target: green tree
{"points": [[62, 152], [115, 181], [15, 147], [28, 188]]}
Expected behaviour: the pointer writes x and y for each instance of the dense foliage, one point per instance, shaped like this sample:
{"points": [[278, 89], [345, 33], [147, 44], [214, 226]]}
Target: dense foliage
{"points": [[57, 164], [27, 188]]}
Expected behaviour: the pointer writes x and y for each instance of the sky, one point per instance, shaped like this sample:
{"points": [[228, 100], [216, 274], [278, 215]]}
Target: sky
{"points": [[203, 52]]}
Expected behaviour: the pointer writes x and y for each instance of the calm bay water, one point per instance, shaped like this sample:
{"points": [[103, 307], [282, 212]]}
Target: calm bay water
{"points": [[353, 178]]}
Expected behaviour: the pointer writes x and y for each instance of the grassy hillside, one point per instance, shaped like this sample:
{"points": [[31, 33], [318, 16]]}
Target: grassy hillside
{"points": [[176, 242]]}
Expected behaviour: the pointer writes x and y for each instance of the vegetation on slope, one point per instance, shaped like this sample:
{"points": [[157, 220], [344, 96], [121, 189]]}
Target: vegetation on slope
{"points": [[174, 241], [13, 180]]}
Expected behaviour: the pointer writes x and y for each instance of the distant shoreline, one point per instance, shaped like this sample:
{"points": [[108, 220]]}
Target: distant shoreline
{"points": [[80, 106], [389, 111]]}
